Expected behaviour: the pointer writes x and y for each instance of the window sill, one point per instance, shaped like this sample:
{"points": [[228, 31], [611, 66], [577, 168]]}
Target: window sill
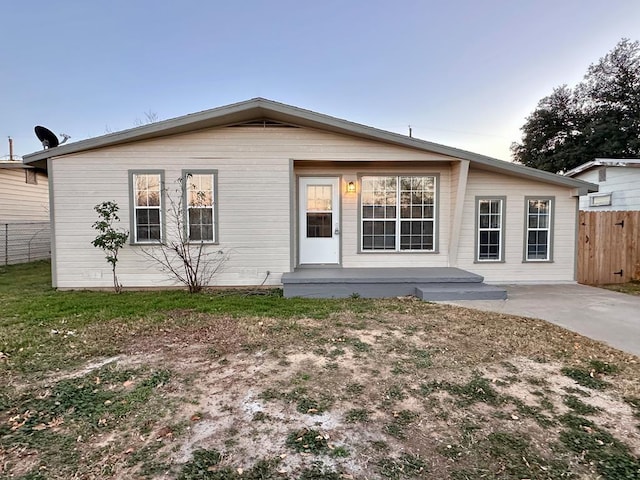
{"points": [[400, 252], [480, 262]]}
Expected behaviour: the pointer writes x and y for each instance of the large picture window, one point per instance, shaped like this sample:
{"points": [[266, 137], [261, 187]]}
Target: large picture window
{"points": [[200, 188], [146, 194], [398, 213], [538, 231], [490, 229]]}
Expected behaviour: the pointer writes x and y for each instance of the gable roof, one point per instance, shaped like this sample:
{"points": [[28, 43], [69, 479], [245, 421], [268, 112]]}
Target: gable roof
{"points": [[604, 162], [260, 108]]}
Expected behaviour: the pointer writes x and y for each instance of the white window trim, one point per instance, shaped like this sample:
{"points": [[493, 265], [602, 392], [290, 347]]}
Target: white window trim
{"points": [[606, 195], [501, 229], [398, 219], [549, 230]]}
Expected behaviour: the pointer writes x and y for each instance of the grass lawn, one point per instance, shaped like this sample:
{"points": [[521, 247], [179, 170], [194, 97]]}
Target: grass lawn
{"points": [[631, 288], [250, 385]]}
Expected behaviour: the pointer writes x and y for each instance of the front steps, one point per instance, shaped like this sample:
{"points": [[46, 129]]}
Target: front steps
{"points": [[461, 291], [429, 284]]}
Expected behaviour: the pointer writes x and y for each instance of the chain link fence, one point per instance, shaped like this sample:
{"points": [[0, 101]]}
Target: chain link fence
{"points": [[24, 242]]}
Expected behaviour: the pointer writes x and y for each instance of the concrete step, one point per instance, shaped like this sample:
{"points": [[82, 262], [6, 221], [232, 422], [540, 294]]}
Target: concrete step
{"points": [[380, 275], [348, 289], [427, 292], [430, 283], [460, 291]]}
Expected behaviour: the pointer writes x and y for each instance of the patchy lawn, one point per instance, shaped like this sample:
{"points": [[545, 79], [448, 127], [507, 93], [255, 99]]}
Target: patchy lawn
{"points": [[249, 385], [631, 288]]}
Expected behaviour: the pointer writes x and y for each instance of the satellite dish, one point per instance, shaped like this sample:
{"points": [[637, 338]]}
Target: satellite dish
{"points": [[47, 137]]}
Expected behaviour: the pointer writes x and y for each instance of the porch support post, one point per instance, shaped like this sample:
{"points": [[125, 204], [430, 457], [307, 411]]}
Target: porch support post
{"points": [[293, 221], [462, 170]]}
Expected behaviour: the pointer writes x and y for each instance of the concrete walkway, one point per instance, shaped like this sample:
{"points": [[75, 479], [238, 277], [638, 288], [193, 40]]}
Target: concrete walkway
{"points": [[611, 317]]}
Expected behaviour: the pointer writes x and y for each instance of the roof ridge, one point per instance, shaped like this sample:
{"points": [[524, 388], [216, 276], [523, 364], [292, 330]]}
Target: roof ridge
{"points": [[261, 107]]}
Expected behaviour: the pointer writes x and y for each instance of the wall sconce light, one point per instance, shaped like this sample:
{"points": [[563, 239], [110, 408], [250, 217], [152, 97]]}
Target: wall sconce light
{"points": [[351, 187]]}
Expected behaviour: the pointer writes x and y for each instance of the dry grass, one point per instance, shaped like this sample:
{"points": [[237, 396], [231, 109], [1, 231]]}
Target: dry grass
{"points": [[401, 389], [630, 288]]}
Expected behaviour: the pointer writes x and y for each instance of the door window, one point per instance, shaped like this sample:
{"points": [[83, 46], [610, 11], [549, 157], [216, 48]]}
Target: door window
{"points": [[319, 211]]}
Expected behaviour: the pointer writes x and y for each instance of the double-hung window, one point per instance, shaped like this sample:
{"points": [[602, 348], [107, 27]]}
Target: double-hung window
{"points": [[200, 189], [538, 229], [490, 229], [146, 206], [398, 213]]}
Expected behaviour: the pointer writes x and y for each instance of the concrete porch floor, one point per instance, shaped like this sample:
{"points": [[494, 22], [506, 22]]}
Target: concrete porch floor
{"points": [[436, 283], [337, 274]]}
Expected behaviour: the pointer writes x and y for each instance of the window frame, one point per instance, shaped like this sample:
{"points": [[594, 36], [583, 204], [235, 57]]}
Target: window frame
{"points": [[550, 229], [502, 230], [214, 207], [398, 219], [133, 236], [607, 196]]}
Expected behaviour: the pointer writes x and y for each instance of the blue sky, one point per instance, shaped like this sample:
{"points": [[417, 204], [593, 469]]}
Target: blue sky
{"points": [[463, 73]]}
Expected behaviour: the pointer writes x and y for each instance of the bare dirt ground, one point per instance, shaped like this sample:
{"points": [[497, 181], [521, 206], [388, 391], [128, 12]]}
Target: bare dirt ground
{"points": [[407, 391]]}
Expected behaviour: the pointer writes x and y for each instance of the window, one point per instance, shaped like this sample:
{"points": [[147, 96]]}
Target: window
{"points": [[200, 189], [146, 202], [538, 232], [398, 213], [600, 200], [319, 211], [490, 229]]}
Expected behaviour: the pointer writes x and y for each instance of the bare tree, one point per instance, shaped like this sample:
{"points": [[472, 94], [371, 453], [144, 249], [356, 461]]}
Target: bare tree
{"points": [[192, 263], [149, 117]]}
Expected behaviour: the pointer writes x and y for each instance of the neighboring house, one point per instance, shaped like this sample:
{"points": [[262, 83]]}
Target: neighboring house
{"points": [[618, 181], [609, 225], [284, 188], [24, 213]]}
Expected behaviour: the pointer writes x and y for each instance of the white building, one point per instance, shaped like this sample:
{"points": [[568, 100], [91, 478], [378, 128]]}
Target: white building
{"points": [[282, 189], [618, 181]]}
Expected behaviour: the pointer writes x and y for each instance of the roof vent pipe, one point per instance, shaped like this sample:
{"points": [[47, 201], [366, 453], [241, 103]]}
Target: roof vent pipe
{"points": [[10, 148]]}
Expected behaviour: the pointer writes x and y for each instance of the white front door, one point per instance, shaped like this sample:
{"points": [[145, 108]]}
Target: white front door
{"points": [[319, 220]]}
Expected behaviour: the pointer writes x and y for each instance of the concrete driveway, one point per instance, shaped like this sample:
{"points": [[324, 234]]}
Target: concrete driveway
{"points": [[611, 317]]}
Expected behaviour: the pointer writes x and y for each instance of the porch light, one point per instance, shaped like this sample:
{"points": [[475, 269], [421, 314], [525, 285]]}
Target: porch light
{"points": [[351, 187]]}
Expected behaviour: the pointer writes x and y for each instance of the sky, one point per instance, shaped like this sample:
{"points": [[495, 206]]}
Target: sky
{"points": [[463, 73]]}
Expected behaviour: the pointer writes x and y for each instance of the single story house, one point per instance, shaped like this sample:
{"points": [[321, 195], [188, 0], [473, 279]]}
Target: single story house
{"points": [[24, 213], [301, 199], [618, 183]]}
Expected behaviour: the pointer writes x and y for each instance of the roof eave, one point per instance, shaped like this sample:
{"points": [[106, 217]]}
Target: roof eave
{"points": [[193, 121], [604, 162], [263, 108]]}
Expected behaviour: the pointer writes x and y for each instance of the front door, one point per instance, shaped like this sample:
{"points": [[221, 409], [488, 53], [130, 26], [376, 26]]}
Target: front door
{"points": [[319, 220]]}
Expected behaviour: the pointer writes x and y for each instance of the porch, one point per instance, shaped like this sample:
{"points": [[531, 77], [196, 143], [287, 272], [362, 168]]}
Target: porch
{"points": [[429, 284]]}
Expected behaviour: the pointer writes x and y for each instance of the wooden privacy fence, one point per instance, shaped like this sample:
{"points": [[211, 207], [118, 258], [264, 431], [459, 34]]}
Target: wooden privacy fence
{"points": [[608, 247]]}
